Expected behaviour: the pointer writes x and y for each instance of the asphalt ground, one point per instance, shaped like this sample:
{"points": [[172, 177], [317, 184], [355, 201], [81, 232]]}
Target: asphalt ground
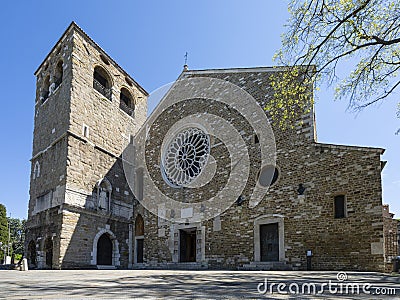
{"points": [[162, 284]]}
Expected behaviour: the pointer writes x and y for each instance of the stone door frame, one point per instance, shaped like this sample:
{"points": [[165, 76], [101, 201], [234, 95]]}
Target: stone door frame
{"points": [[264, 220], [135, 252], [200, 241], [115, 251]]}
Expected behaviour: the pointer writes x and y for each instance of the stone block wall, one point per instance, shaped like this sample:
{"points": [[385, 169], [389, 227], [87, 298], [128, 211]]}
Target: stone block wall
{"points": [[80, 231], [88, 165], [354, 242], [52, 113], [98, 154], [351, 243], [307, 222], [257, 82], [52, 167], [52, 107], [79, 137], [41, 227], [391, 237], [109, 126], [49, 154], [95, 155]]}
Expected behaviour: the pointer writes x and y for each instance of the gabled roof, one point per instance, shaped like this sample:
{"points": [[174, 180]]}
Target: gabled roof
{"points": [[350, 147], [257, 75], [243, 70], [233, 70]]}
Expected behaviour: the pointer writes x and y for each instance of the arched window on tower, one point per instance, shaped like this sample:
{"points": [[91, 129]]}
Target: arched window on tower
{"points": [[101, 82], [45, 92], [58, 75], [36, 170], [126, 102]]}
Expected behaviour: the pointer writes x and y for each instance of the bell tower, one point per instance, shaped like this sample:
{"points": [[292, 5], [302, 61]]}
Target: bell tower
{"points": [[86, 109]]}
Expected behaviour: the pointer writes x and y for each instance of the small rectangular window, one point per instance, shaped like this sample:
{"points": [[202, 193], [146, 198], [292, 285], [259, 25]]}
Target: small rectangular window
{"points": [[85, 131], [340, 207]]}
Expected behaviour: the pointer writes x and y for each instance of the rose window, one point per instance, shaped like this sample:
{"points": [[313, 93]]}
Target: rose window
{"points": [[185, 156]]}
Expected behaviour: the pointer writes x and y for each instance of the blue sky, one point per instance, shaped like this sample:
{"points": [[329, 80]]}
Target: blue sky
{"points": [[149, 40]]}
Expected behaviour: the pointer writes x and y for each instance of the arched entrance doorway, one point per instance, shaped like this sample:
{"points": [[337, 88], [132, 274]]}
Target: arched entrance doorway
{"points": [[32, 255], [48, 249], [104, 250]]}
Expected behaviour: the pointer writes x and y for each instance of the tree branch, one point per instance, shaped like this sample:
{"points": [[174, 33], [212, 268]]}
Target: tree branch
{"points": [[380, 41], [381, 97]]}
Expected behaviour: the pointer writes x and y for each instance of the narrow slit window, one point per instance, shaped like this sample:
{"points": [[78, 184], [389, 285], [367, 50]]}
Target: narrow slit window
{"points": [[36, 170], [85, 131], [256, 139], [340, 207]]}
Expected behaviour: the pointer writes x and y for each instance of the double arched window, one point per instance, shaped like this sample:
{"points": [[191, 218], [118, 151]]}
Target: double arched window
{"points": [[102, 82], [49, 87]]}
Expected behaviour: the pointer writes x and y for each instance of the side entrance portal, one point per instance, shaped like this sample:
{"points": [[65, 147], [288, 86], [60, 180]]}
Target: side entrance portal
{"points": [[139, 251], [32, 255], [139, 240], [48, 247], [269, 242], [187, 251], [104, 250]]}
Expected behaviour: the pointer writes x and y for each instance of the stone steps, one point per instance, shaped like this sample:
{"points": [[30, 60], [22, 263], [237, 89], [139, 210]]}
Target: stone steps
{"points": [[173, 266], [106, 267], [267, 266]]}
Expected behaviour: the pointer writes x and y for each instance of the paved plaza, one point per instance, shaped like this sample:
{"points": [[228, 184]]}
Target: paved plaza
{"points": [[161, 284]]}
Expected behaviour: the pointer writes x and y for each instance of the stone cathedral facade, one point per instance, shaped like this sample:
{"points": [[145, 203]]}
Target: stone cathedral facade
{"points": [[113, 188]]}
